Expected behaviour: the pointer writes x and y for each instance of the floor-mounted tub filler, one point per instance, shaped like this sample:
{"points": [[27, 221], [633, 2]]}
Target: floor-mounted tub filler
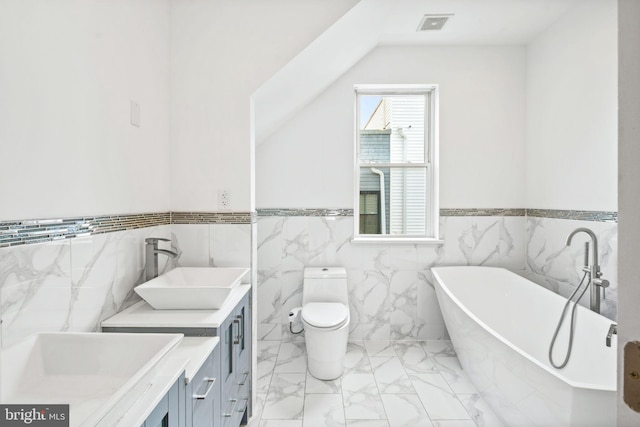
{"points": [[500, 325]]}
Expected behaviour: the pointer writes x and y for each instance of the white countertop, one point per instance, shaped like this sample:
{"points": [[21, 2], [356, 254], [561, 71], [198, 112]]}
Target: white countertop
{"points": [[187, 357], [169, 372], [197, 349], [142, 314]]}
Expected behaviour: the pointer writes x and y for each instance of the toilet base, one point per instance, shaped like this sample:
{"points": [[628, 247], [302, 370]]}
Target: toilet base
{"points": [[326, 352]]}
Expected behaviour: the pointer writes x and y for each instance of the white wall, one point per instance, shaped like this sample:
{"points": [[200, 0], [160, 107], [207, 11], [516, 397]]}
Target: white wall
{"points": [[308, 162], [571, 156], [221, 52], [69, 70]]}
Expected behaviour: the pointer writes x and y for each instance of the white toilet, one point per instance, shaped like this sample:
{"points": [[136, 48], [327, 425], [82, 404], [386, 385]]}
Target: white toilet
{"points": [[325, 316]]}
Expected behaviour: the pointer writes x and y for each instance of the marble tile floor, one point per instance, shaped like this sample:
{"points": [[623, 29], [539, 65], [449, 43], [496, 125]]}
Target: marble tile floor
{"points": [[385, 384]]}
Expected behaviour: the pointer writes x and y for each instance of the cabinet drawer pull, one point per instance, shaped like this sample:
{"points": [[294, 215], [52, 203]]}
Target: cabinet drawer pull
{"points": [[230, 413], [236, 340], [244, 378], [246, 403], [211, 382], [241, 330]]}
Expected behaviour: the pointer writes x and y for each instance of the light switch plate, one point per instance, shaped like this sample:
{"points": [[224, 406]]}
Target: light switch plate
{"points": [[135, 114]]}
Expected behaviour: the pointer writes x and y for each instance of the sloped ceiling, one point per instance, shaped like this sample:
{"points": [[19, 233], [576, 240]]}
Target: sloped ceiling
{"points": [[393, 22]]}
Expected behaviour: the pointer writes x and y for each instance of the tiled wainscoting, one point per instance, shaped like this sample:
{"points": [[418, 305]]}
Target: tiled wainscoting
{"points": [[71, 284], [68, 275], [391, 294], [81, 271], [390, 286], [557, 267]]}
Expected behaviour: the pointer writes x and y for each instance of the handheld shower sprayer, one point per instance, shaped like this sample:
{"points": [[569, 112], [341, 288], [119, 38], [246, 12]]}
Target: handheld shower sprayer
{"points": [[591, 269]]}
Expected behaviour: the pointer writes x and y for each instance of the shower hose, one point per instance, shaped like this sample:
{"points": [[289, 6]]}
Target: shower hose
{"points": [[573, 317]]}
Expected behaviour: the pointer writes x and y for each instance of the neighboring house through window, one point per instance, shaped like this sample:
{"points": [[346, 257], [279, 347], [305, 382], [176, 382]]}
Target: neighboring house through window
{"points": [[396, 162]]}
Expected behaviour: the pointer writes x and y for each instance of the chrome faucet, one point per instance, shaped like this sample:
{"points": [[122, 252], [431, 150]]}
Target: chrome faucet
{"points": [[592, 269], [152, 251]]}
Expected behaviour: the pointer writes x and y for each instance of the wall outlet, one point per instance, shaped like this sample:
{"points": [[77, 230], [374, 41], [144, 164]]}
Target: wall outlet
{"points": [[224, 199]]}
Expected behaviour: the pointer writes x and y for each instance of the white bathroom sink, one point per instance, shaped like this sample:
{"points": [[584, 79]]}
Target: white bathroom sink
{"points": [[198, 288], [94, 373]]}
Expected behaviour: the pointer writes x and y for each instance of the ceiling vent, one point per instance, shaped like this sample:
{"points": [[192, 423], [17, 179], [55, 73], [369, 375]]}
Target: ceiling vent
{"points": [[433, 22]]}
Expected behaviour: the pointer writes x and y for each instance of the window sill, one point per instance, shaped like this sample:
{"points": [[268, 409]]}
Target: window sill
{"points": [[426, 241]]}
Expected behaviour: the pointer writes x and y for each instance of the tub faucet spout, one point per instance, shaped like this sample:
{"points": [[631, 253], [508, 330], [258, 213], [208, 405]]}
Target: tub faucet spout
{"points": [[151, 252], [593, 269], [613, 329]]}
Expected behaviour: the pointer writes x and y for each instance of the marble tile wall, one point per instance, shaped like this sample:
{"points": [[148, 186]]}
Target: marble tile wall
{"points": [[212, 245], [390, 286], [557, 267], [74, 284]]}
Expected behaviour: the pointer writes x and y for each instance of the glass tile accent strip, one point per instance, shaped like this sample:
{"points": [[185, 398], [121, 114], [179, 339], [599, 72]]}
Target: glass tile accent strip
{"points": [[30, 231]]}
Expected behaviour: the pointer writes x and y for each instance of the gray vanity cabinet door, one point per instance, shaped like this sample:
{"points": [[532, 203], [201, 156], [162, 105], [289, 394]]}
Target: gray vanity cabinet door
{"points": [[243, 350], [170, 411], [228, 361], [159, 417], [236, 365], [203, 401]]}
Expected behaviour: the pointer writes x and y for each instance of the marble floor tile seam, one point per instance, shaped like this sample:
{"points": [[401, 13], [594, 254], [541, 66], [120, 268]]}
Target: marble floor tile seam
{"points": [[392, 353], [437, 373], [304, 420], [438, 369], [260, 421]]}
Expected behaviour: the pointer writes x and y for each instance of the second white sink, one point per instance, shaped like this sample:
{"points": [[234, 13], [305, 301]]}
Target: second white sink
{"points": [[191, 288], [92, 372]]}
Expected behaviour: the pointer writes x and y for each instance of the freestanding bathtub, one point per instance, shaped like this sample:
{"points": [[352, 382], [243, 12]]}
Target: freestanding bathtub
{"points": [[501, 325]]}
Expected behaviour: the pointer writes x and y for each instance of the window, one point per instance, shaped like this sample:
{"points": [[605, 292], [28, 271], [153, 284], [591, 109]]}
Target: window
{"points": [[396, 163]]}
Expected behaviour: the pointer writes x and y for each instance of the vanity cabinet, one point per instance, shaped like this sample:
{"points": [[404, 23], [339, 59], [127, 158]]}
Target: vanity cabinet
{"points": [[202, 397], [169, 412], [224, 381], [236, 365]]}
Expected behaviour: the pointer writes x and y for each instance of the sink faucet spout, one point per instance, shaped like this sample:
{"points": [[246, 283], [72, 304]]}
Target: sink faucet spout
{"points": [[151, 252]]}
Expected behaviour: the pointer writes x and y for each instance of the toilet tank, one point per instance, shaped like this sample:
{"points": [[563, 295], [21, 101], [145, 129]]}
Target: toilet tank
{"points": [[325, 284]]}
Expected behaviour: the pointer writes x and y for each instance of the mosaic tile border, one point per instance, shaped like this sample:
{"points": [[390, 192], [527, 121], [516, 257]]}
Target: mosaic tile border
{"points": [[213, 217], [349, 212], [599, 216], [305, 212], [22, 232], [483, 212]]}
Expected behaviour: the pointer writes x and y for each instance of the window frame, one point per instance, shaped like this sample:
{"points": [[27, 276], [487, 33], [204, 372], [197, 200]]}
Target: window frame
{"points": [[430, 164]]}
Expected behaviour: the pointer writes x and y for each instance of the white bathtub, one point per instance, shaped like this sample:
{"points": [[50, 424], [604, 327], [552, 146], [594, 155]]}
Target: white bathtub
{"points": [[501, 325]]}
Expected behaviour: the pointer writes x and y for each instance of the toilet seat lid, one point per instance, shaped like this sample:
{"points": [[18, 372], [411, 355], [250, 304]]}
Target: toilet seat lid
{"points": [[324, 314]]}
